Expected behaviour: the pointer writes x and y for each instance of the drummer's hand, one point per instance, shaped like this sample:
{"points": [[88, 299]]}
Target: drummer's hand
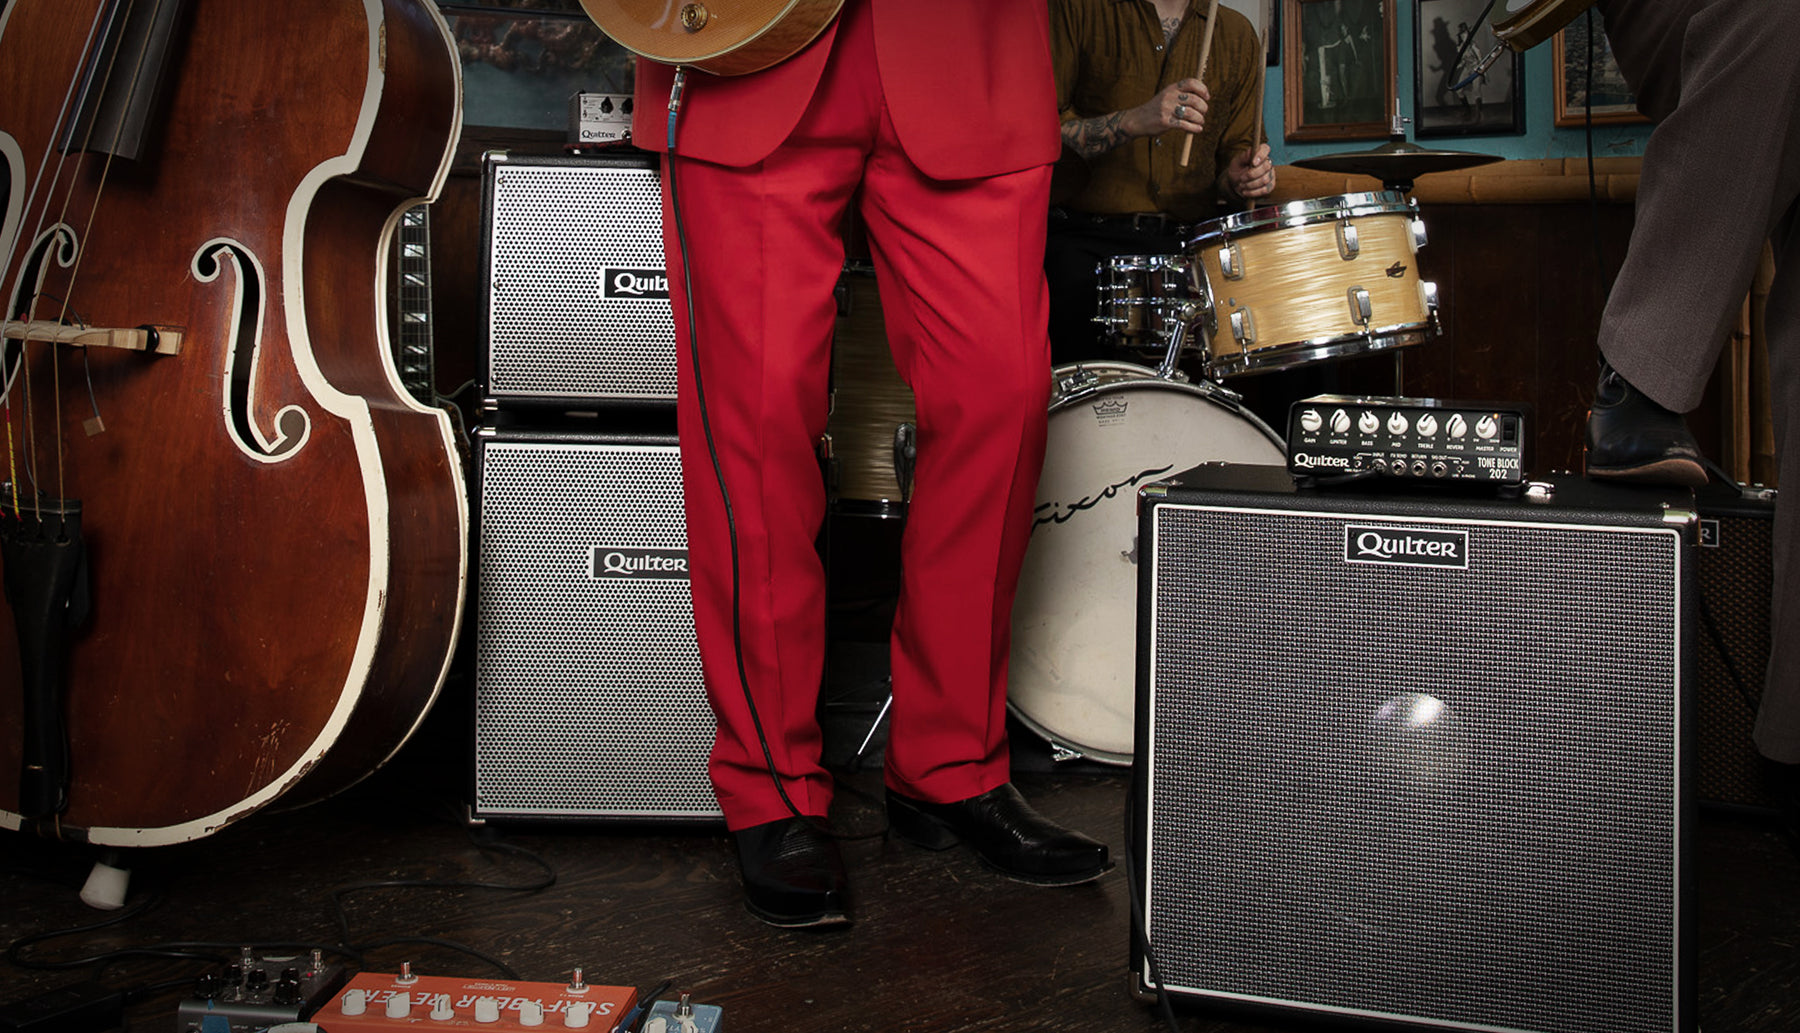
{"points": [[1179, 105], [1249, 177]]}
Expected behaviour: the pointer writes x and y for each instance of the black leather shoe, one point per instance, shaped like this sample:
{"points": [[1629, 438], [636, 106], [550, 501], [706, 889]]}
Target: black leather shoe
{"points": [[1005, 833], [1632, 438], [793, 875]]}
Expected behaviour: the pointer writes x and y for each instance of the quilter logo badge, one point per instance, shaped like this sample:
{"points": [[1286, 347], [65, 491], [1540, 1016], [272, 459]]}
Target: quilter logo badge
{"points": [[639, 564], [634, 284], [1406, 546]]}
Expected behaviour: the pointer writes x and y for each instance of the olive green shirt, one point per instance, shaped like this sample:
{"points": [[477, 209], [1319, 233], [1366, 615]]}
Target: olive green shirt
{"points": [[1110, 56]]}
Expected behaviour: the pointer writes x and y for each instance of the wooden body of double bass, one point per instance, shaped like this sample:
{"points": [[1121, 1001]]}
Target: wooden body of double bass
{"points": [[275, 532]]}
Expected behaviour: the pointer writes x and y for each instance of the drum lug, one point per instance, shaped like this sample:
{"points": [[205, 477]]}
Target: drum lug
{"points": [[1060, 753], [1243, 329], [1418, 233], [1078, 378], [1428, 290], [1349, 245], [1361, 309], [1231, 262]]}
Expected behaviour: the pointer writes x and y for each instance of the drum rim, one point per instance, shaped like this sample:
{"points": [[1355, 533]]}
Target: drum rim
{"points": [[1208, 390], [1300, 353], [1302, 213], [1063, 742]]}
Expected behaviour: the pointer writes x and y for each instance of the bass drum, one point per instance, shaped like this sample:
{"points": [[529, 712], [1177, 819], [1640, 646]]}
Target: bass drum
{"points": [[1114, 427]]}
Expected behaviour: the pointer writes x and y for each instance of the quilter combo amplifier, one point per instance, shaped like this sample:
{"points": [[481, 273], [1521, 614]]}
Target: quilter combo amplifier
{"points": [[575, 296], [588, 696], [1416, 760]]}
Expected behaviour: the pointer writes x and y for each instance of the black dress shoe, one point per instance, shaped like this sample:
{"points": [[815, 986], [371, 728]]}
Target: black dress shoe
{"points": [[1004, 832], [1632, 438], [793, 876]]}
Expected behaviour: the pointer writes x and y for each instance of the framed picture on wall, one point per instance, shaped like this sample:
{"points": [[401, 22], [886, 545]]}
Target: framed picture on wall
{"points": [[1339, 69], [1452, 39], [1612, 98]]}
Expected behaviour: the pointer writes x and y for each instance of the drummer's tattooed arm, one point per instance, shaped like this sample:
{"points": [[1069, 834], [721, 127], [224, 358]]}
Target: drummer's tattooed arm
{"points": [[1092, 136]]}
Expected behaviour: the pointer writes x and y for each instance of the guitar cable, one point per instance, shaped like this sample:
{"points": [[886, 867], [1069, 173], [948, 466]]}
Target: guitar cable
{"points": [[676, 91]]}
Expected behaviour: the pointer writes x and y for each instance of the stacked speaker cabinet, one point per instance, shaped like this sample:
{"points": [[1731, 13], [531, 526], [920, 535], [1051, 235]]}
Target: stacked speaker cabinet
{"points": [[589, 703], [575, 299], [1416, 761]]}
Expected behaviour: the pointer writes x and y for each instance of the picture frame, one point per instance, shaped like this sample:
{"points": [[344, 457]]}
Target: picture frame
{"points": [[1493, 103], [1614, 102], [1338, 69]]}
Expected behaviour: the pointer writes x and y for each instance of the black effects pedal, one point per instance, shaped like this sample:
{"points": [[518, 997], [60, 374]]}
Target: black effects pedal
{"points": [[1337, 437], [259, 992]]}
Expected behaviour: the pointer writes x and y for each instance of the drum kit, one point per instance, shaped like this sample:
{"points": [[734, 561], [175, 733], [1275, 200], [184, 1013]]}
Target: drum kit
{"points": [[1272, 288]]}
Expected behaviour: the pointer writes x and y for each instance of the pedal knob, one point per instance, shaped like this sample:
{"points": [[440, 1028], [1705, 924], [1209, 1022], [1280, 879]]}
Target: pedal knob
{"points": [[355, 1002], [531, 1013], [399, 1005], [576, 1015], [440, 1008], [487, 1009]]}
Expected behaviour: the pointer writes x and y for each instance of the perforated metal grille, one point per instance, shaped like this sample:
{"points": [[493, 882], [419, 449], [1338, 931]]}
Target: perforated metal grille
{"points": [[1440, 795], [558, 235], [589, 700]]}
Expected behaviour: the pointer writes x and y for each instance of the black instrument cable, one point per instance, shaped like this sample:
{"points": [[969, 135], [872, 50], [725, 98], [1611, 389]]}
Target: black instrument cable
{"points": [[677, 91]]}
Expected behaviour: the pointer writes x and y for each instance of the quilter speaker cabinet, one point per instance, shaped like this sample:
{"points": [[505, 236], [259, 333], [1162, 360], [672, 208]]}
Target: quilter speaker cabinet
{"points": [[1735, 575], [1415, 761], [588, 697], [575, 296]]}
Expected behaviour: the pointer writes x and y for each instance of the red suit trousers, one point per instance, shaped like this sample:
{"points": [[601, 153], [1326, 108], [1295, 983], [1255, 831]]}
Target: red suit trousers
{"points": [[959, 268]]}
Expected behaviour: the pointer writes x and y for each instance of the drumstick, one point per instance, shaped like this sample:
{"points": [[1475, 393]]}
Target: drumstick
{"points": [[1212, 17]]}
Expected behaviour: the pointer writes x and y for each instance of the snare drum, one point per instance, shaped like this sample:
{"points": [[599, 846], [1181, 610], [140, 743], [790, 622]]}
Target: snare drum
{"points": [[1310, 280], [1113, 428]]}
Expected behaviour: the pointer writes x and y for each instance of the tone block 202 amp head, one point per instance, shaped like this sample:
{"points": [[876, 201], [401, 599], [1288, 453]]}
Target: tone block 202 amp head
{"points": [[1415, 760], [589, 701], [575, 295]]}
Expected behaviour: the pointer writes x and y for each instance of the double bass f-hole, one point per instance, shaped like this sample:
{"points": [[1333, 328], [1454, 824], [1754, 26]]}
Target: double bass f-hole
{"points": [[244, 331]]}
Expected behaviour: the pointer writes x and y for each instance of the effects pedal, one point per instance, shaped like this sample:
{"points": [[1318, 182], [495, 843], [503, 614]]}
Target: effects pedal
{"points": [[683, 1016], [259, 992], [385, 1003], [1353, 437]]}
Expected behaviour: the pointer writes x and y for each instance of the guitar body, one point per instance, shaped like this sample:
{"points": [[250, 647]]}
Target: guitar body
{"points": [[1523, 24], [724, 37], [275, 531]]}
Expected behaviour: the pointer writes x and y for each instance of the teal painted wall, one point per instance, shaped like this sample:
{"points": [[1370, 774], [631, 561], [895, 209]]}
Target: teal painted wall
{"points": [[1541, 138]]}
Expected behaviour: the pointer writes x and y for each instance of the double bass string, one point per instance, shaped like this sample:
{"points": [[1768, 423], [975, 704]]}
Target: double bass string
{"points": [[12, 252], [92, 214]]}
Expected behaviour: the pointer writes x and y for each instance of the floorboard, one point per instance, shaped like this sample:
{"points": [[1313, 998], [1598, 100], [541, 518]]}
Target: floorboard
{"points": [[939, 942]]}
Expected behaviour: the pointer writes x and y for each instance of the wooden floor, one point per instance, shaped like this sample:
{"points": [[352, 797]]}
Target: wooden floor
{"points": [[939, 943]]}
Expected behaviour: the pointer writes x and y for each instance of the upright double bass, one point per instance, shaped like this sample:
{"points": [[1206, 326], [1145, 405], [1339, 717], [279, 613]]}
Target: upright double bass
{"points": [[234, 547]]}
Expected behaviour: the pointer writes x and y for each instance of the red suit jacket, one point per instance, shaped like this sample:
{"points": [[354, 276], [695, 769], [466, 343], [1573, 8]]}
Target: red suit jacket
{"points": [[969, 86]]}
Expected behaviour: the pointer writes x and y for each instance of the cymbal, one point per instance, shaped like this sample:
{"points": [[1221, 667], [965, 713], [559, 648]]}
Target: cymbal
{"points": [[1397, 162]]}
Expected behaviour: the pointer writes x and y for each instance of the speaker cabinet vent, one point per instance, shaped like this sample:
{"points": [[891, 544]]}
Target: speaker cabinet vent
{"points": [[589, 700], [1416, 760], [576, 297]]}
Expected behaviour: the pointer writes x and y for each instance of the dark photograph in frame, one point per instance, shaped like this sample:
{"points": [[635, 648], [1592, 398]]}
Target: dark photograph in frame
{"points": [[1452, 40], [1339, 69], [1613, 101]]}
